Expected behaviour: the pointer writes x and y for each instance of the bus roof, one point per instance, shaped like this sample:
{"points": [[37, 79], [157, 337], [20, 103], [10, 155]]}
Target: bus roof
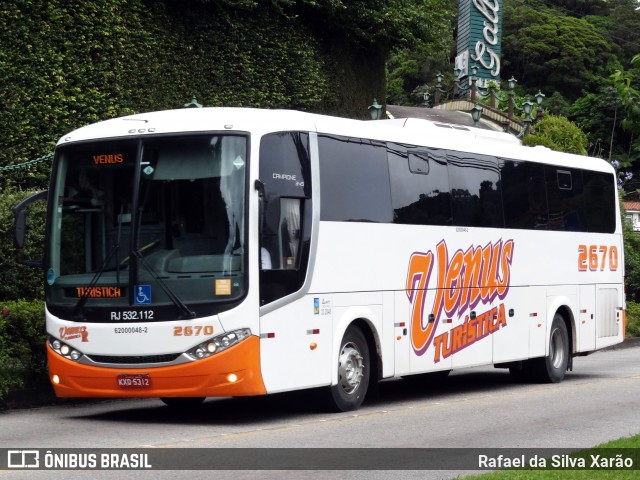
{"points": [[411, 131]]}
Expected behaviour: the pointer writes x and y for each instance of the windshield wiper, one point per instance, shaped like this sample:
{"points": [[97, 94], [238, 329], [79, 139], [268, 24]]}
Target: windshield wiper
{"points": [[78, 311], [186, 311]]}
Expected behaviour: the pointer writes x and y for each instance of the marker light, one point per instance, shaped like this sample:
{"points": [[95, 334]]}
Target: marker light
{"points": [[219, 343], [232, 378], [55, 379]]}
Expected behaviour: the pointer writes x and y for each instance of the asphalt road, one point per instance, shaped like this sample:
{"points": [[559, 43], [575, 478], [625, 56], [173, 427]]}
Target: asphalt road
{"points": [[474, 408]]}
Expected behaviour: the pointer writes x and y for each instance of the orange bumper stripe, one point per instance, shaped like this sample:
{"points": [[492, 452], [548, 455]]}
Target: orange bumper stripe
{"points": [[202, 378]]}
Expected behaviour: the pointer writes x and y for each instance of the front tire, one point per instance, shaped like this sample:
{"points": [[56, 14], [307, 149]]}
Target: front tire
{"points": [[354, 368], [553, 367]]}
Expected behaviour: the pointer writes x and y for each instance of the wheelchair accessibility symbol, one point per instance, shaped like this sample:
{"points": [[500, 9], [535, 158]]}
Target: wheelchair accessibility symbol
{"points": [[143, 295]]}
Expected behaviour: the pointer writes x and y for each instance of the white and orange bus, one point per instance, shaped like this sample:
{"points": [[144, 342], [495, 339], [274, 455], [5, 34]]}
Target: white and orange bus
{"points": [[226, 252]]}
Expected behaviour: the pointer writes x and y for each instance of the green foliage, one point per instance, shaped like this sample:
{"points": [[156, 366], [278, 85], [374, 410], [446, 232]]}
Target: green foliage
{"points": [[599, 114], [631, 262], [559, 134], [580, 8], [18, 281], [556, 104], [623, 32], [22, 345], [626, 83], [547, 48], [69, 63], [410, 68], [383, 23], [633, 320]]}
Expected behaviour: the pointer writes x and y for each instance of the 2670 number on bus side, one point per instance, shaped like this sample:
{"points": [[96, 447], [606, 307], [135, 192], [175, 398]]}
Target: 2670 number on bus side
{"points": [[597, 257]]}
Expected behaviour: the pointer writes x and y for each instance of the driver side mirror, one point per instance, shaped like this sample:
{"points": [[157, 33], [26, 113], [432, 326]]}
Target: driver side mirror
{"points": [[20, 226]]}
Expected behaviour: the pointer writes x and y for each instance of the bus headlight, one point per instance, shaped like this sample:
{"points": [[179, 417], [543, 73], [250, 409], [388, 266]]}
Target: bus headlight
{"points": [[219, 343], [64, 350]]}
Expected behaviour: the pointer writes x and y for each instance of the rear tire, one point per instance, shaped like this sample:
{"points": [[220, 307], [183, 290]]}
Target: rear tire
{"points": [[553, 367], [354, 368]]}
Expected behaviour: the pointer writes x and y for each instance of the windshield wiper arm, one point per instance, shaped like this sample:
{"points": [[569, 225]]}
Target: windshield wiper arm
{"points": [[78, 311], [186, 311]]}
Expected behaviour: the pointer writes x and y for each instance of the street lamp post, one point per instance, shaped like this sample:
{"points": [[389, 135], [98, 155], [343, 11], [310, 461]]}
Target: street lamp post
{"points": [[438, 92], [192, 104], [426, 97], [474, 79], [512, 86], [375, 110], [528, 106], [476, 114], [539, 98]]}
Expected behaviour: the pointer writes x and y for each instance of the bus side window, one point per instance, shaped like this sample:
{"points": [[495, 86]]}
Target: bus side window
{"points": [[419, 187], [280, 247]]}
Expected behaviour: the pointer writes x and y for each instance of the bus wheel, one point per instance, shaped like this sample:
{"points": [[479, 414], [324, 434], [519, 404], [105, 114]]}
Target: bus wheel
{"points": [[353, 372], [182, 402], [553, 367]]}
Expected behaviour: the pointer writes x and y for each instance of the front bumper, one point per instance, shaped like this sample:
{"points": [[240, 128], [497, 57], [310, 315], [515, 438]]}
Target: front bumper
{"points": [[209, 377]]}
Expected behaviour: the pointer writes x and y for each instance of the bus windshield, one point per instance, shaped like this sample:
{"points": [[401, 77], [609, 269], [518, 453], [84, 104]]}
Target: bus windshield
{"points": [[150, 222]]}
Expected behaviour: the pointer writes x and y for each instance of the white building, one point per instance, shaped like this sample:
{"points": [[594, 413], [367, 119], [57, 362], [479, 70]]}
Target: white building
{"points": [[632, 214]]}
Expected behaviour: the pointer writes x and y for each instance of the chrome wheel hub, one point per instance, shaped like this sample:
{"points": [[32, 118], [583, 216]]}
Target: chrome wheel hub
{"points": [[350, 368]]}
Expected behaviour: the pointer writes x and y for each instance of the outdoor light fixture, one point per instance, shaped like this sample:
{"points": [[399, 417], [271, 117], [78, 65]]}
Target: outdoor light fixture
{"points": [[193, 104], [426, 97], [540, 97], [375, 110], [528, 105], [476, 114], [512, 83]]}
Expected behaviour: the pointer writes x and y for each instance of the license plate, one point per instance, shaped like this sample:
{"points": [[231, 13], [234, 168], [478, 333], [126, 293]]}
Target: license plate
{"points": [[134, 380]]}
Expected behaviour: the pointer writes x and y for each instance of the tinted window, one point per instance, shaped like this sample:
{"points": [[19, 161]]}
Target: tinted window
{"points": [[354, 180], [284, 164], [420, 187], [599, 201], [566, 202], [524, 195], [475, 190], [286, 227]]}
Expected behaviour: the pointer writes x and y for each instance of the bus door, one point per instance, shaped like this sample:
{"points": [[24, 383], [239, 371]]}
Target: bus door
{"points": [[295, 328]]}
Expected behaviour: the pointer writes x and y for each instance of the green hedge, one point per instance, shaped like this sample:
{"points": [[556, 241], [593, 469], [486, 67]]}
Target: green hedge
{"points": [[18, 281], [633, 320], [22, 345], [67, 63]]}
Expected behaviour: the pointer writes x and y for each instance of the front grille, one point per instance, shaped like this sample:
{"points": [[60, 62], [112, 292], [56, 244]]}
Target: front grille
{"points": [[170, 357]]}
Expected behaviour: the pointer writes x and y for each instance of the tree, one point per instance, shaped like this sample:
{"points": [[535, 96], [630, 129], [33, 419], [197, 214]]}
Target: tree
{"points": [[626, 83], [544, 47], [559, 134], [625, 25], [599, 114], [580, 8]]}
